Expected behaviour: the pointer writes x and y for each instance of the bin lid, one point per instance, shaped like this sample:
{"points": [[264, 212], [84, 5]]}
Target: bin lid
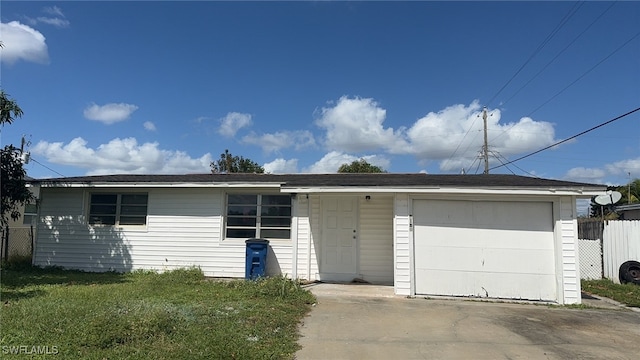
{"points": [[256, 241]]}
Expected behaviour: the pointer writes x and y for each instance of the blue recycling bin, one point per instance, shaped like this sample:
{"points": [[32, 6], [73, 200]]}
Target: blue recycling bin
{"points": [[256, 258]]}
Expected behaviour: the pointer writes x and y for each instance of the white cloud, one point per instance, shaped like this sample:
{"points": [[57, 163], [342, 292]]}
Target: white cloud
{"points": [[149, 126], [616, 173], [109, 113], [234, 121], [53, 10], [22, 42], [56, 19], [281, 166], [588, 175], [355, 125], [122, 156], [332, 161], [454, 135], [281, 140], [624, 167], [57, 22]]}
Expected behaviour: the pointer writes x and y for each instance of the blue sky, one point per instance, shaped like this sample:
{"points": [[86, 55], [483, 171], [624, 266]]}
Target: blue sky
{"points": [[165, 87]]}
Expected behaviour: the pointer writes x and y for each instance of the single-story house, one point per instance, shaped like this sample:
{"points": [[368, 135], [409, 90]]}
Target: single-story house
{"points": [[496, 236], [628, 211]]}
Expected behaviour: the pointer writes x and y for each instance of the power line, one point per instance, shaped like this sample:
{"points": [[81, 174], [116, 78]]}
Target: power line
{"points": [[45, 166], [558, 55], [570, 138], [586, 73], [560, 25], [498, 155], [571, 84]]}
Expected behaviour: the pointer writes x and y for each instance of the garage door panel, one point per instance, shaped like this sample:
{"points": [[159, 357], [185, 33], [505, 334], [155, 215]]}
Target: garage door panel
{"points": [[495, 249], [489, 260], [488, 284], [490, 238], [529, 216]]}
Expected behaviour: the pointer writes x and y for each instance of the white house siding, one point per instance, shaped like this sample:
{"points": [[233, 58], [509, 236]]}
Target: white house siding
{"points": [[376, 239], [184, 228], [304, 245], [312, 263], [569, 272], [402, 245]]}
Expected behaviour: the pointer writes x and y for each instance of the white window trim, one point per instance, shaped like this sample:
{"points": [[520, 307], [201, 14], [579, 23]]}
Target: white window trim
{"points": [[259, 194], [118, 209]]}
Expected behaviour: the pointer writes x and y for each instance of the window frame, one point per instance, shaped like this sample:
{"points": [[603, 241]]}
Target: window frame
{"points": [[259, 206], [28, 217], [118, 209]]}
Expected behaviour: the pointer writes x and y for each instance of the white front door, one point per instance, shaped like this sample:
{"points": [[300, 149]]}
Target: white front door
{"points": [[339, 237]]}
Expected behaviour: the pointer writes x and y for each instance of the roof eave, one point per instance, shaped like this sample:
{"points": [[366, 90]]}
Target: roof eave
{"points": [[581, 192], [157, 185]]}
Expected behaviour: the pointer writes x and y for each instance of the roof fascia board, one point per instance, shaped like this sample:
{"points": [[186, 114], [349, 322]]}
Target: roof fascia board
{"points": [[439, 190], [160, 185]]}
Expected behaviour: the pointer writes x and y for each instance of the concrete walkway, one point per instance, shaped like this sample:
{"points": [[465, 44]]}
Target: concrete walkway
{"points": [[369, 322]]}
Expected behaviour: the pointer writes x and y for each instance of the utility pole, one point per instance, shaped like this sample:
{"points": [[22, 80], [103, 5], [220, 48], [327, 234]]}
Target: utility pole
{"points": [[485, 147], [629, 190]]}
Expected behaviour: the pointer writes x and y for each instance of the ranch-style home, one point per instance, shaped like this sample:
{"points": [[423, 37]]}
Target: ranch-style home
{"points": [[495, 236]]}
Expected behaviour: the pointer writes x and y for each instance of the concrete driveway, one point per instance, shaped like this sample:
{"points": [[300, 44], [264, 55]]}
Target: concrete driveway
{"points": [[370, 323]]}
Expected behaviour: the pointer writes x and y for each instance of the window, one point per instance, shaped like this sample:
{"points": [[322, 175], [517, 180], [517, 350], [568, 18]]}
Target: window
{"points": [[258, 216], [30, 214], [118, 209]]}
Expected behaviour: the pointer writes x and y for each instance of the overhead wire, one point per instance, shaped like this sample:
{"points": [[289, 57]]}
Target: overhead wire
{"points": [[549, 63], [560, 53], [45, 166], [560, 25], [499, 155], [585, 73], [569, 138]]}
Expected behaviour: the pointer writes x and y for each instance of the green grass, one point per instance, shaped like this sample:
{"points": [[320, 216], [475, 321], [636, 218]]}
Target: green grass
{"points": [[145, 315], [628, 294]]}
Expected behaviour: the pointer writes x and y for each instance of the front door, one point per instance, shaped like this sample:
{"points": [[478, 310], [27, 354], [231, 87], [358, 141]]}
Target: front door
{"points": [[339, 237]]}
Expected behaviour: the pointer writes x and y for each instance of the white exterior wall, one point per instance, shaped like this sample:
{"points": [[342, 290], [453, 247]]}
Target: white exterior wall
{"points": [[313, 267], [184, 228], [376, 239], [403, 240], [568, 271]]}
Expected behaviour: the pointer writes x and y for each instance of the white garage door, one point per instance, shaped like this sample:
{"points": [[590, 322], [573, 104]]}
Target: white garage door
{"points": [[487, 249]]}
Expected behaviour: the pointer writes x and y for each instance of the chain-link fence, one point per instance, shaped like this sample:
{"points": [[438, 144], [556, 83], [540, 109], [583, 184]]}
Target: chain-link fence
{"points": [[590, 258], [17, 242]]}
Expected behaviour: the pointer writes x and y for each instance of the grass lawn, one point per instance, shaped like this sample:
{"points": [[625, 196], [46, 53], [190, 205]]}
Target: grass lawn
{"points": [[628, 294], [144, 315]]}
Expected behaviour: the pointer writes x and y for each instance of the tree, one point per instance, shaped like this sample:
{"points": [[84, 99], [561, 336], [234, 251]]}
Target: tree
{"points": [[229, 163], [12, 183], [9, 109], [360, 166]]}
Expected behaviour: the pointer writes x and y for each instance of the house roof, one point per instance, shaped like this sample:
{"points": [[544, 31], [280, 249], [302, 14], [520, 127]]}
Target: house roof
{"points": [[627, 207], [384, 180]]}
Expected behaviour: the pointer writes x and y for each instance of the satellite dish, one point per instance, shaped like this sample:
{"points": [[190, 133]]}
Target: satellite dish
{"points": [[611, 197]]}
